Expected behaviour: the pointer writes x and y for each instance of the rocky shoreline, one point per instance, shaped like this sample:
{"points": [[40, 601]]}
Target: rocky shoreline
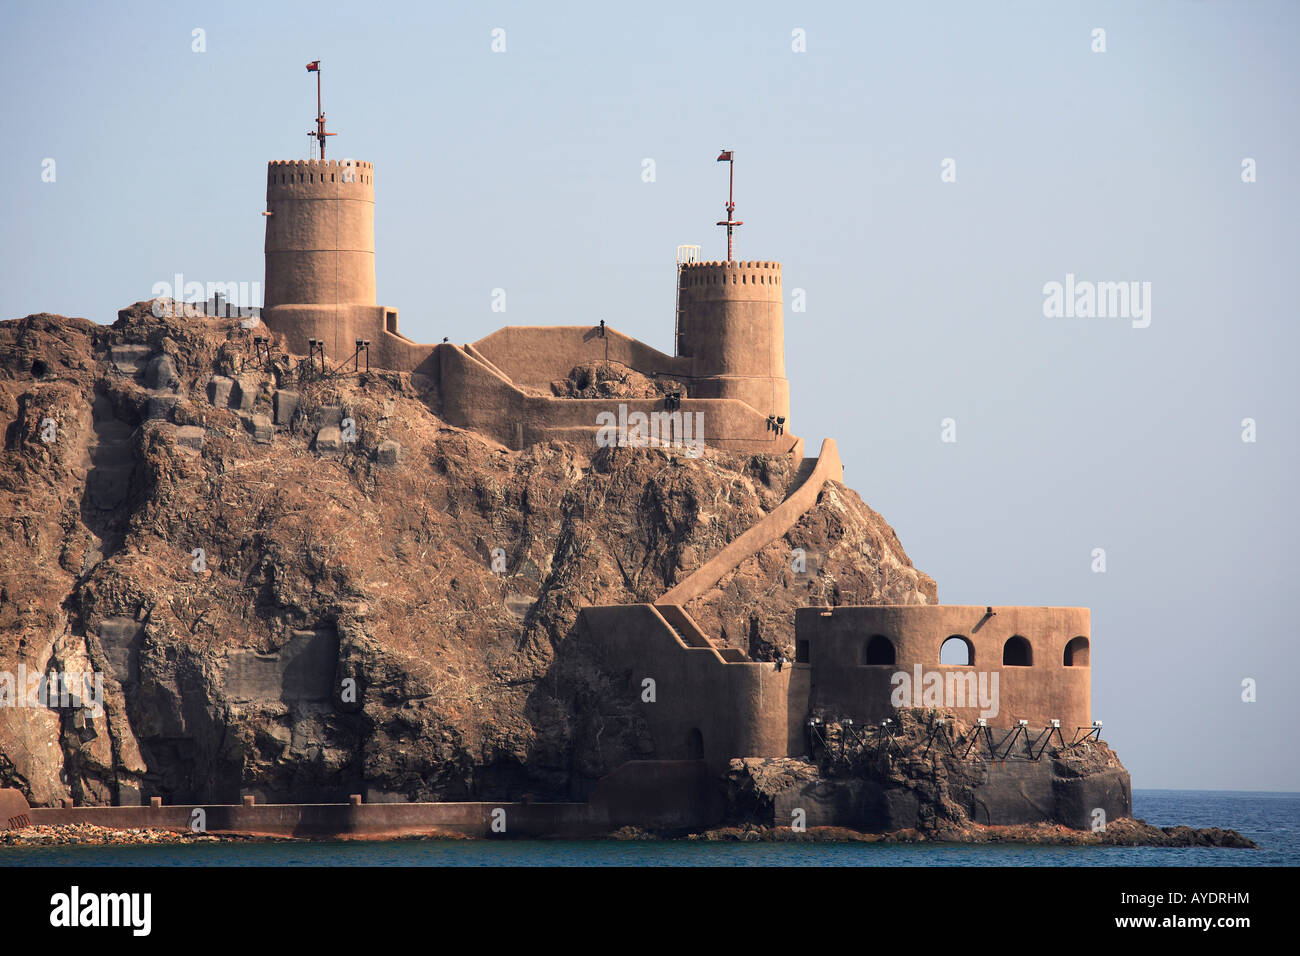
{"points": [[1125, 832], [86, 834]]}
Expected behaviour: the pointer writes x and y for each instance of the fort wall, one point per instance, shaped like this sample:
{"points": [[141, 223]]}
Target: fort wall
{"points": [[537, 356], [704, 707], [655, 793], [340, 326], [475, 395], [835, 645]]}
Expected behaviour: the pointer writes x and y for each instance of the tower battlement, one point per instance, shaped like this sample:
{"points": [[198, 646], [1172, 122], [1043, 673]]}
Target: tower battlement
{"points": [[320, 233], [730, 323], [761, 280], [317, 179]]}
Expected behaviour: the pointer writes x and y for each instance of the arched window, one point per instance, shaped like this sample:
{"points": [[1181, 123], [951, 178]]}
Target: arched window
{"points": [[878, 650], [1076, 652], [957, 651], [1016, 652]]}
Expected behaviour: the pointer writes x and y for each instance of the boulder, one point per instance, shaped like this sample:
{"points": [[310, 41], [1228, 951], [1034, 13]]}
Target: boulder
{"points": [[160, 407], [327, 415], [260, 427], [286, 403], [243, 396], [190, 436], [161, 372], [329, 442], [219, 390]]}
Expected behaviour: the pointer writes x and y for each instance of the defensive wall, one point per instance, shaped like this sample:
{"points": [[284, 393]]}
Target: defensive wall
{"points": [[718, 707], [1039, 654], [535, 356], [652, 793], [699, 705], [475, 394]]}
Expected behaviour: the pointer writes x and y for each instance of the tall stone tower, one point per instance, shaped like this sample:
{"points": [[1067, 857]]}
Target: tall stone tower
{"points": [[320, 252], [731, 326]]}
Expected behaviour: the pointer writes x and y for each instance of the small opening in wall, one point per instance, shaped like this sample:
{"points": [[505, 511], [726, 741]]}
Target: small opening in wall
{"points": [[957, 651], [694, 744], [1076, 652], [878, 650], [1016, 652], [801, 652]]}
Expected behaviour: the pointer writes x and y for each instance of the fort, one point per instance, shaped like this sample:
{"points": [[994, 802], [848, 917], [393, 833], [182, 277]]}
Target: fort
{"points": [[320, 288], [711, 702], [708, 706]]}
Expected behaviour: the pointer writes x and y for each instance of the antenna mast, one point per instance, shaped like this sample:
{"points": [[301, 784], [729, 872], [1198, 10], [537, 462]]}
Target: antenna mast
{"points": [[729, 157], [319, 134]]}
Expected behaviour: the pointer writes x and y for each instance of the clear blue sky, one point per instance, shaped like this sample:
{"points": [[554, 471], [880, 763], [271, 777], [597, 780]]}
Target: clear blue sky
{"points": [[523, 170]]}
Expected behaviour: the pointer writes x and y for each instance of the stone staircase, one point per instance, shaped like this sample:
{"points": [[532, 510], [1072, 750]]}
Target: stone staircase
{"points": [[684, 626]]}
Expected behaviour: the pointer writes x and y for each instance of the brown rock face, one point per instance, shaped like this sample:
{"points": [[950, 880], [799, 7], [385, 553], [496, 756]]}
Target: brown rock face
{"points": [[300, 627], [931, 773], [612, 380]]}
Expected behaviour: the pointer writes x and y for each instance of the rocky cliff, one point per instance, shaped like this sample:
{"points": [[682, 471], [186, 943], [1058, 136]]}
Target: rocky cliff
{"points": [[303, 586]]}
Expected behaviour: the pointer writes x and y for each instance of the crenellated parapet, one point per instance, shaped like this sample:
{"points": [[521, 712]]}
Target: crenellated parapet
{"points": [[730, 324], [756, 279], [320, 236]]}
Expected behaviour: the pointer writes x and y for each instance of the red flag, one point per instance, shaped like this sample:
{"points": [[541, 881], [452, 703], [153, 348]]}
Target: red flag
{"points": [[313, 66], [724, 156]]}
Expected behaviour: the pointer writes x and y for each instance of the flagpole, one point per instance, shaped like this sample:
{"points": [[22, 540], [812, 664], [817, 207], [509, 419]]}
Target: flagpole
{"points": [[731, 200], [320, 125], [729, 157], [320, 134]]}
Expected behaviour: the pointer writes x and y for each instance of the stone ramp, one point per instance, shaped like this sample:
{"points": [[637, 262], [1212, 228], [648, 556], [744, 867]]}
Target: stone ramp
{"points": [[826, 467], [806, 468]]}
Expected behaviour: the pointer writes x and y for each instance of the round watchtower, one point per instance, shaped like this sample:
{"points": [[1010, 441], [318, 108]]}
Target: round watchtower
{"points": [[731, 326], [320, 233]]}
